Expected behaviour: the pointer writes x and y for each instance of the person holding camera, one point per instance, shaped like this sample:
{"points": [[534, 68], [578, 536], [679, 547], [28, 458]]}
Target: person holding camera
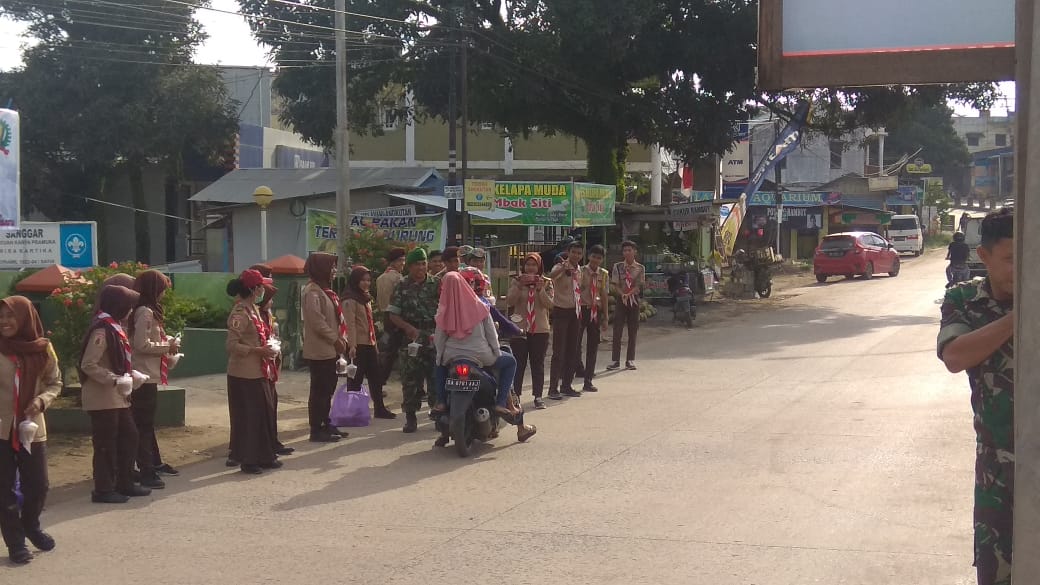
{"points": [[566, 323], [531, 298]]}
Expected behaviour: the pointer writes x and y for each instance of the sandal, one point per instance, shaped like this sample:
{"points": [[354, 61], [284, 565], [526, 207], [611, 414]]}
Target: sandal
{"points": [[526, 433]]}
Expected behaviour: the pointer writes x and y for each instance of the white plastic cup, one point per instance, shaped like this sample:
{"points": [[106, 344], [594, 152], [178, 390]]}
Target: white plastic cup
{"points": [[351, 371], [341, 366], [413, 348]]}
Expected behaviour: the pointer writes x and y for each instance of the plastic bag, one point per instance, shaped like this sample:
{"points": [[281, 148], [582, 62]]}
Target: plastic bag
{"points": [[350, 409]]}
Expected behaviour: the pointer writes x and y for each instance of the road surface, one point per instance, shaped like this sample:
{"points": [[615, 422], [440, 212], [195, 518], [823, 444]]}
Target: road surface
{"points": [[821, 442]]}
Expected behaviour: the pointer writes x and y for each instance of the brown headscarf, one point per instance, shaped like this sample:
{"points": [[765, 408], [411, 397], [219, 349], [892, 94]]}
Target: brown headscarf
{"points": [[29, 346], [353, 290], [319, 267], [537, 260], [117, 301], [150, 284], [114, 280]]}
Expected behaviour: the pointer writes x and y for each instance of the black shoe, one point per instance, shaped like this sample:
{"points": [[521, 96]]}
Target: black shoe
{"points": [[153, 482], [589, 388], [252, 469], [136, 492], [20, 556], [630, 366], [385, 413], [411, 423], [614, 366], [41, 540], [283, 450], [231, 462], [276, 464], [539, 403], [108, 498], [580, 372], [571, 393], [334, 431], [165, 469], [555, 395], [324, 436], [442, 441]]}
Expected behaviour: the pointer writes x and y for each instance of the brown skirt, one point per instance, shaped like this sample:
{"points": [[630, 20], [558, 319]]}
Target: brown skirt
{"points": [[251, 406]]}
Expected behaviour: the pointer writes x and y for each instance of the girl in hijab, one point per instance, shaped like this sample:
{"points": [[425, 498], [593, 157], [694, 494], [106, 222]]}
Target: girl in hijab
{"points": [[357, 309], [151, 352], [107, 357], [531, 297], [29, 381], [118, 279], [266, 308], [251, 371], [324, 341]]}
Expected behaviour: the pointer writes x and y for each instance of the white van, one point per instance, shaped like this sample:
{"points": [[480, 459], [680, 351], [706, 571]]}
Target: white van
{"points": [[906, 235]]}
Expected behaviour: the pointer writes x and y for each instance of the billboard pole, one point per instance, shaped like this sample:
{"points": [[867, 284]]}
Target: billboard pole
{"points": [[342, 138]]}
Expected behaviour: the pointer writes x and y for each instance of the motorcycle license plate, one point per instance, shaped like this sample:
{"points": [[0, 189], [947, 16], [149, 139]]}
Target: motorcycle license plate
{"points": [[455, 385]]}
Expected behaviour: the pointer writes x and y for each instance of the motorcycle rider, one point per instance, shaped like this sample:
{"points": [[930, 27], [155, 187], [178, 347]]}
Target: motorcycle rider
{"points": [[957, 253]]}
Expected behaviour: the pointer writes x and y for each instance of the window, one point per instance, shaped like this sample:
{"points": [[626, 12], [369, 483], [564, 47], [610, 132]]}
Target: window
{"points": [[487, 126], [837, 154], [1001, 140], [389, 119], [973, 139]]}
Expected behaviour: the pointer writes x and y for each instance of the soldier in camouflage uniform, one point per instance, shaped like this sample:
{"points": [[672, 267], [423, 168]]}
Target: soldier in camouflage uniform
{"points": [[412, 309], [976, 336]]}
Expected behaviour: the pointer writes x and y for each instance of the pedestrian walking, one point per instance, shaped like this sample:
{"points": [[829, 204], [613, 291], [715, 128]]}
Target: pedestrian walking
{"points": [[594, 312], [357, 309], [324, 341], [266, 308], [106, 359], [566, 279], [531, 298], [977, 337], [250, 372], [628, 279], [151, 356], [391, 340], [412, 310], [29, 381]]}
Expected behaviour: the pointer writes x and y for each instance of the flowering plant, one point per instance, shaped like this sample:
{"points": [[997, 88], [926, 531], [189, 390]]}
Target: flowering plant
{"points": [[369, 246]]}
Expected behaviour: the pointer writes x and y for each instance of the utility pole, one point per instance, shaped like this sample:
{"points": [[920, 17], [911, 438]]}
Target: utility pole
{"points": [[454, 227], [464, 65], [779, 196], [342, 138]]}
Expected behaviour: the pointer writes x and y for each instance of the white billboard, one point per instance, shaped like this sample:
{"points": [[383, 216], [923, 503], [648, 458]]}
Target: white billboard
{"points": [[10, 183]]}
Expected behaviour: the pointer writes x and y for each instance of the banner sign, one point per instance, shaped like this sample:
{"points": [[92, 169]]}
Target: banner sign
{"points": [[423, 230], [10, 178], [686, 211], [795, 199], [785, 143], [594, 204], [396, 211], [532, 203], [39, 244], [736, 165], [479, 195], [731, 226]]}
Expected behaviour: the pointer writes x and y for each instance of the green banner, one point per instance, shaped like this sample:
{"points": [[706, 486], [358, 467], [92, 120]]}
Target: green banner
{"points": [[531, 203], [424, 230], [594, 204]]}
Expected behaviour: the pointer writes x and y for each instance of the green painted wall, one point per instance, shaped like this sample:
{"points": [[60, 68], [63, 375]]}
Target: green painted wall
{"points": [[210, 286], [204, 353], [389, 146]]}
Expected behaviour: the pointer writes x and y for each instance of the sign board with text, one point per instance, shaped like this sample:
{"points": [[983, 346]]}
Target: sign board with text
{"points": [[594, 204], [39, 244], [479, 195], [532, 203], [423, 230]]}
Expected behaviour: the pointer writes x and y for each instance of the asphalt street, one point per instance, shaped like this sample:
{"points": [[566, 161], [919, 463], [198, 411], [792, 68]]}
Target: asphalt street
{"points": [[819, 442]]}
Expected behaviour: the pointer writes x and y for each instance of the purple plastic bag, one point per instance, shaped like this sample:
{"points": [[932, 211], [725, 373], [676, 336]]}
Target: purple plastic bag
{"points": [[350, 409]]}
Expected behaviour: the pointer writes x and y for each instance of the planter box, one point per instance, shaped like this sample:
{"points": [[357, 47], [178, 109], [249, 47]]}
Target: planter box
{"points": [[204, 353], [73, 419]]}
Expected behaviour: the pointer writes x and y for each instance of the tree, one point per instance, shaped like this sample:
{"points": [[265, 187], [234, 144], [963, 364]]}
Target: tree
{"points": [[929, 129], [111, 88]]}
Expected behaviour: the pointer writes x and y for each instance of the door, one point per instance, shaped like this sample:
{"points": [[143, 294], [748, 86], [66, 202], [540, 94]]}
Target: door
{"points": [[886, 255]]}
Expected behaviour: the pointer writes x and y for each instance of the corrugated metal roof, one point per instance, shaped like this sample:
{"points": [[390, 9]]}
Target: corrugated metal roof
{"points": [[442, 203], [238, 185]]}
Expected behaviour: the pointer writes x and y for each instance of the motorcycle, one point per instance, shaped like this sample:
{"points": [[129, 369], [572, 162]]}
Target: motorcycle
{"points": [[471, 414], [956, 273], [763, 280], [685, 309]]}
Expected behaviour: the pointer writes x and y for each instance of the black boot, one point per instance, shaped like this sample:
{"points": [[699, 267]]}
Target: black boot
{"points": [[411, 423]]}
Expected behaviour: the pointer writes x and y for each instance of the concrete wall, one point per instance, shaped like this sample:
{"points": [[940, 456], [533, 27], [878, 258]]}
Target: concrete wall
{"points": [[116, 224], [986, 128], [811, 161]]}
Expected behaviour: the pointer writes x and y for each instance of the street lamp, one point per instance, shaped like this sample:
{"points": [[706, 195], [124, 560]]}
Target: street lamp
{"points": [[263, 196]]}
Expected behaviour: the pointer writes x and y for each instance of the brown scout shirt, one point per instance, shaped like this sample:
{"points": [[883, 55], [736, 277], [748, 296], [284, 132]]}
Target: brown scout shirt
{"points": [[47, 389], [148, 345], [242, 339], [563, 287], [320, 324], [99, 389]]}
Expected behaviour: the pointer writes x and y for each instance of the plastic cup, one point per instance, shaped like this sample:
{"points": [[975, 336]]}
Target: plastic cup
{"points": [[351, 371], [341, 366], [413, 348]]}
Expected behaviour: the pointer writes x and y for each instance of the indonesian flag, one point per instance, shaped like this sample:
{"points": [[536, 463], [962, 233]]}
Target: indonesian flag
{"points": [[687, 181]]}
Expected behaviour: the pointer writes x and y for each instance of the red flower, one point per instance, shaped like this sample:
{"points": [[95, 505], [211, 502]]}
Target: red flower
{"points": [[55, 292], [357, 236], [113, 265], [68, 302], [80, 303]]}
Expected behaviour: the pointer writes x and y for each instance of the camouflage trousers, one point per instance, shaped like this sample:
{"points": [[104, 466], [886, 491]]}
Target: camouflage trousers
{"points": [[416, 372], [994, 500]]}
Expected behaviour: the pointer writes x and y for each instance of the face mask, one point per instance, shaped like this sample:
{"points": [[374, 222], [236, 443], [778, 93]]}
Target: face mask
{"points": [[260, 297]]}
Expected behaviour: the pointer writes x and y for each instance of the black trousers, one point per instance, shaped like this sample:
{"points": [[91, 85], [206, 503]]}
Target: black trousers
{"points": [[565, 348], [115, 447], [391, 343], [252, 418], [592, 330], [532, 349], [32, 468], [143, 404], [368, 368], [323, 386], [273, 423], [625, 316]]}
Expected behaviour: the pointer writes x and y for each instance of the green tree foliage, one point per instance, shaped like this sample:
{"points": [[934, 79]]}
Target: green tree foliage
{"points": [[929, 129]]}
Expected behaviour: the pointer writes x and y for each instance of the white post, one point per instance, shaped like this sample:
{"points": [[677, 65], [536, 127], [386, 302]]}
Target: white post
{"points": [[655, 174], [881, 151], [342, 137], [507, 146], [409, 130], [263, 234]]}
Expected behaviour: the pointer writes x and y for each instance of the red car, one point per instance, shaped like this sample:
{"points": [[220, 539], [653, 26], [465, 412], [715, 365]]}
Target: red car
{"points": [[855, 253]]}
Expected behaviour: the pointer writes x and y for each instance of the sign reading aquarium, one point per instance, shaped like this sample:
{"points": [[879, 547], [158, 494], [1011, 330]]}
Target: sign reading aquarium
{"points": [[40, 244]]}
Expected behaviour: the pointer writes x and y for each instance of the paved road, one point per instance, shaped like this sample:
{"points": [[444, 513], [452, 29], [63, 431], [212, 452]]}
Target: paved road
{"points": [[818, 443]]}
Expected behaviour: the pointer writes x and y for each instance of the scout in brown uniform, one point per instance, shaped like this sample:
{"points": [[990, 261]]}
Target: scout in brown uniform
{"points": [[106, 359], [594, 295], [251, 369], [324, 341], [29, 381], [151, 351], [566, 277], [357, 309], [266, 307], [118, 279], [531, 298], [392, 339], [628, 280]]}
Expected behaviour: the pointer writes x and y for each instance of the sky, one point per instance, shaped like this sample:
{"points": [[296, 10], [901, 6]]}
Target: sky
{"points": [[230, 43]]}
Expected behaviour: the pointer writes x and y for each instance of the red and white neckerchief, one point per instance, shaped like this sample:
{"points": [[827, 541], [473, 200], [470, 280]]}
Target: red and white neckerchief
{"points": [[164, 362], [123, 340], [266, 364], [630, 298], [371, 323], [577, 292], [339, 312], [594, 302], [15, 443], [530, 309]]}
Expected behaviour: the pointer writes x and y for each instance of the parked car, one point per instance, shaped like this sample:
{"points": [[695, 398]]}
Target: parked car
{"points": [[855, 253], [905, 233]]}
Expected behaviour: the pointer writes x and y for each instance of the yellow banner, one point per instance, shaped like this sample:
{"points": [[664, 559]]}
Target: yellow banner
{"points": [[479, 195], [731, 227]]}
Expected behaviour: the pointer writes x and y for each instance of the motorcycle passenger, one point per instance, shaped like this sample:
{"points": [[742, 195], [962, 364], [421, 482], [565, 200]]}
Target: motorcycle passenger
{"points": [[957, 253], [477, 280]]}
